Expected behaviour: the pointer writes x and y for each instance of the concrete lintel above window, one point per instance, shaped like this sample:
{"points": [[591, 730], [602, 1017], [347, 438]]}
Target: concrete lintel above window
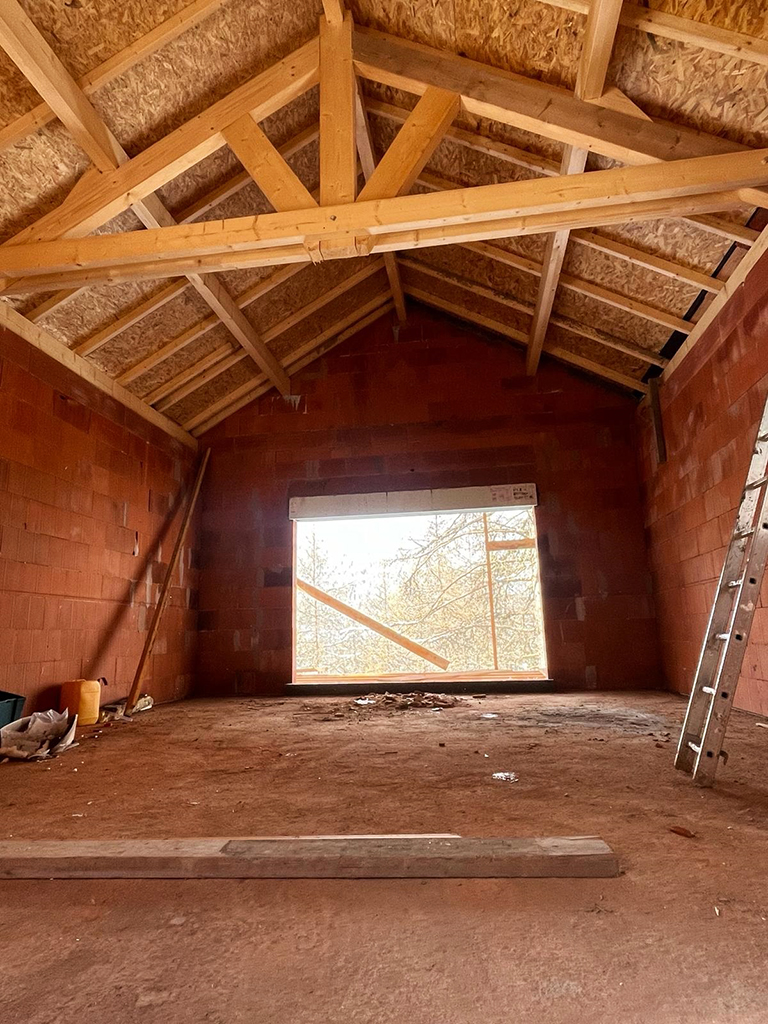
{"points": [[403, 503]]}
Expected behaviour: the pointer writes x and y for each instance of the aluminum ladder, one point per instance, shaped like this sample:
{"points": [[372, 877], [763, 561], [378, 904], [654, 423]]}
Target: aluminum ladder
{"points": [[725, 642]]}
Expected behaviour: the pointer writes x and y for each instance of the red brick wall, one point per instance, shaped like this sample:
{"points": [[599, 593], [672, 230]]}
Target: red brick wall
{"points": [[436, 406], [84, 483], [710, 410]]}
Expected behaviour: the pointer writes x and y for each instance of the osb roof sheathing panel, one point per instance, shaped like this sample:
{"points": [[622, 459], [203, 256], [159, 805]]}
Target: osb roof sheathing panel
{"points": [[674, 240], [330, 314], [215, 389], [674, 81], [152, 332], [472, 302], [37, 174], [627, 326], [310, 284], [464, 263], [628, 279], [217, 337]]}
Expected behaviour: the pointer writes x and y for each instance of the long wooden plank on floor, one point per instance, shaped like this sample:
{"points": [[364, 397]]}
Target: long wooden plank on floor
{"points": [[342, 857]]}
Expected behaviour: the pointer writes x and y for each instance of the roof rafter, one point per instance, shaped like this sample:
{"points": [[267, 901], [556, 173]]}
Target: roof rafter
{"points": [[37, 61], [132, 316], [40, 339], [55, 301]]}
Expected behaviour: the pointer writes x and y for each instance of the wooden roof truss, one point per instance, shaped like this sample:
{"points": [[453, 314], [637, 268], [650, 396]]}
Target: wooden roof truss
{"points": [[662, 170]]}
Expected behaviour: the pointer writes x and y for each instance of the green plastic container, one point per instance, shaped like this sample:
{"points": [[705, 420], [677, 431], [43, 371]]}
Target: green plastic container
{"points": [[11, 707]]}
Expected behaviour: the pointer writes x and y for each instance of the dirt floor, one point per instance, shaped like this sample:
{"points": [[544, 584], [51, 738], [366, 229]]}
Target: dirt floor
{"points": [[681, 937]]}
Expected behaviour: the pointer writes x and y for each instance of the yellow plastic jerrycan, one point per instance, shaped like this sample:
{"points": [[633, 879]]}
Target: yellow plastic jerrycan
{"points": [[83, 698]]}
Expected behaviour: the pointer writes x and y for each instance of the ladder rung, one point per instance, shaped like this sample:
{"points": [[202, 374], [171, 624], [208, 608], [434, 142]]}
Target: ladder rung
{"points": [[694, 747], [756, 483], [723, 637], [762, 437], [738, 534], [732, 584], [709, 689]]}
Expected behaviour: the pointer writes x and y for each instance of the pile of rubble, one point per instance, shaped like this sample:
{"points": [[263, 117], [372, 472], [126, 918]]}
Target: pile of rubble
{"points": [[406, 701]]}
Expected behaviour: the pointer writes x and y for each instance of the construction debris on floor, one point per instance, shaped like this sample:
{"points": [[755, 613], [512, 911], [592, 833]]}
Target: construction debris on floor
{"points": [[406, 701], [40, 735]]}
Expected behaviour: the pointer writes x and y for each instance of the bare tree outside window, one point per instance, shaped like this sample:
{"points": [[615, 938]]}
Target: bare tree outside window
{"points": [[463, 585]]}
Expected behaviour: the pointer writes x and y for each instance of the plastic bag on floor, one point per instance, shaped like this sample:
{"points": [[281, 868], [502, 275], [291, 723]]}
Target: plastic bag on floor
{"points": [[42, 734]]}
